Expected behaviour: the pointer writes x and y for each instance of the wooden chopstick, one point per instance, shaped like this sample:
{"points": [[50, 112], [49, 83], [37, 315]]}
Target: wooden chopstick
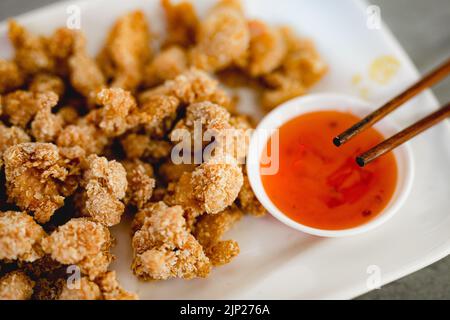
{"points": [[434, 76], [403, 136]]}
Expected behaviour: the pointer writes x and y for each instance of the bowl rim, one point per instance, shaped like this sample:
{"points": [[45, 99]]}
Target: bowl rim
{"points": [[317, 102]]}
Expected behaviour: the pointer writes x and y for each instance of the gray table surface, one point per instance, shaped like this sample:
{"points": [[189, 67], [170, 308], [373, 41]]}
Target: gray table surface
{"points": [[423, 28]]}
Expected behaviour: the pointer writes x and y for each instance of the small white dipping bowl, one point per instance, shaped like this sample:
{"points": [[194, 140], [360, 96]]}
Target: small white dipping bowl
{"points": [[318, 102]]}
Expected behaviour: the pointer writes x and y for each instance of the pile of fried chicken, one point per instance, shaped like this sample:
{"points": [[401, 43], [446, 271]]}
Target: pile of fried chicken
{"points": [[86, 142]]}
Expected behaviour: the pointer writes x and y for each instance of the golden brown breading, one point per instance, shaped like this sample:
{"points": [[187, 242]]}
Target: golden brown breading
{"points": [[166, 65], [111, 288], [127, 51], [20, 237], [165, 249], [86, 290], [216, 183], [223, 37], [117, 113], [146, 212], [190, 87], [140, 182], [20, 107], [68, 114], [10, 136], [142, 146], [16, 285], [30, 51], [248, 202], [104, 184], [160, 112], [267, 49], [11, 77], [46, 126], [84, 135], [39, 176], [182, 23], [209, 230], [301, 68], [81, 242], [45, 82], [85, 75]]}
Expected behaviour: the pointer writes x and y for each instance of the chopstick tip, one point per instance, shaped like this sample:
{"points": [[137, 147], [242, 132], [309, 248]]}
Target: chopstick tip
{"points": [[337, 142], [360, 161]]}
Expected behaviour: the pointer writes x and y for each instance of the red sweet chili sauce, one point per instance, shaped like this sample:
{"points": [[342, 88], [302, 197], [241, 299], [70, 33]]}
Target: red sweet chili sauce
{"points": [[320, 185]]}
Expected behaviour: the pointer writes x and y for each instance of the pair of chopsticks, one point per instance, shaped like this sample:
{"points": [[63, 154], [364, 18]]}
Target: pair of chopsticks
{"points": [[429, 80]]}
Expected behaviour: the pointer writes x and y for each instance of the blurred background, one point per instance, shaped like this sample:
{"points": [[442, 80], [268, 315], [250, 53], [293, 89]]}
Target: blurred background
{"points": [[423, 29]]}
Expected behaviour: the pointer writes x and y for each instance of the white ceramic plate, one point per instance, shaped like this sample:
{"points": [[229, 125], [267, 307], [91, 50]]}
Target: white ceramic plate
{"points": [[275, 261]]}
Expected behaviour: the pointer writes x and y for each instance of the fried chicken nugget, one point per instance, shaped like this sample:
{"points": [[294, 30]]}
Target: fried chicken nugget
{"points": [[190, 87], [46, 126], [11, 77], [223, 37], [104, 185], [209, 230], [301, 68], [182, 23], [45, 82], [140, 182], [267, 49], [20, 107], [118, 112], [30, 50], [39, 176], [16, 285], [127, 51], [166, 65], [171, 172], [81, 242], [10, 136], [165, 249], [216, 183], [20, 237]]}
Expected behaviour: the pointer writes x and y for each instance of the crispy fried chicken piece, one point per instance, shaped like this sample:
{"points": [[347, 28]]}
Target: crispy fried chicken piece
{"points": [[117, 112], [85, 75], [267, 49], [68, 114], [46, 126], [140, 182], [16, 285], [209, 230], [86, 290], [127, 51], [82, 242], [104, 185], [146, 212], [190, 87], [39, 176], [45, 82], [222, 38], [11, 77], [216, 183], [84, 135], [165, 249], [142, 146], [166, 65], [20, 237], [112, 290], [182, 23], [301, 68], [20, 107], [30, 50], [10, 136], [248, 202], [160, 111]]}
